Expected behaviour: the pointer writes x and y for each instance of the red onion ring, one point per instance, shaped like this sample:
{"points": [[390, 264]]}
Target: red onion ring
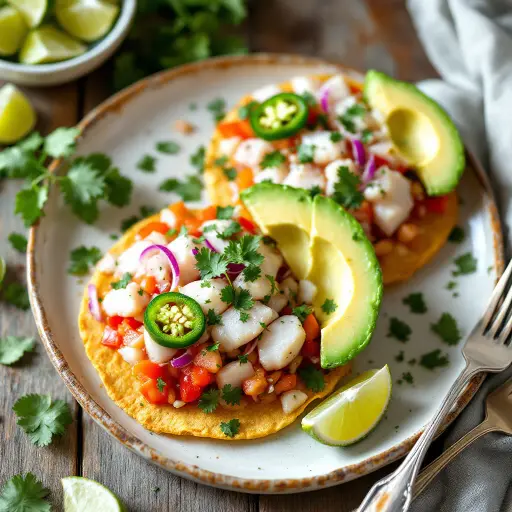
{"points": [[182, 361], [359, 152], [369, 170], [94, 303], [250, 348], [175, 268], [210, 246], [234, 269]]}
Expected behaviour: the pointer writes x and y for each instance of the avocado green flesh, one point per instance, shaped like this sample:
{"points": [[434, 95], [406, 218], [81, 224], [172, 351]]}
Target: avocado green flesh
{"points": [[323, 243], [421, 131]]}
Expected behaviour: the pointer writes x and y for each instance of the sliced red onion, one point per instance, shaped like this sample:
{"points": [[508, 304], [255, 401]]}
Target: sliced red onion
{"points": [[250, 348], [234, 269], [369, 170], [282, 273], [195, 250], [175, 268], [358, 150], [324, 98], [182, 361], [94, 303], [209, 245]]}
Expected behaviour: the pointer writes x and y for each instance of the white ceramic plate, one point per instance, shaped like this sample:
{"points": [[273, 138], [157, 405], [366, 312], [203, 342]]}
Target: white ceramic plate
{"points": [[128, 126]]}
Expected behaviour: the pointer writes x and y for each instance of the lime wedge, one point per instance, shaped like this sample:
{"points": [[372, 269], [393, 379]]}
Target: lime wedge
{"points": [[13, 30], [3, 268], [84, 495], [33, 11], [353, 411], [48, 44], [88, 20], [17, 117]]}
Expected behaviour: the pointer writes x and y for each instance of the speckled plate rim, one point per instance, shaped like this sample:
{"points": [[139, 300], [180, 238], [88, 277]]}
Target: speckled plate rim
{"points": [[194, 472]]}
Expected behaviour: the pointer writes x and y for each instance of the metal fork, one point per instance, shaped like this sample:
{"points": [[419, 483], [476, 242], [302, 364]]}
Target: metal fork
{"points": [[498, 418], [485, 350]]}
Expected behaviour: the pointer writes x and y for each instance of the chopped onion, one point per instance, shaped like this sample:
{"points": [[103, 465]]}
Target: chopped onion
{"points": [[359, 153], [94, 303], [210, 246], [250, 348], [234, 269], [182, 361], [175, 268], [369, 170], [324, 98]]}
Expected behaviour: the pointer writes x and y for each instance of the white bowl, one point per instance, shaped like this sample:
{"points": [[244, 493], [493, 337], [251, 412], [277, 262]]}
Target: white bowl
{"points": [[68, 70]]}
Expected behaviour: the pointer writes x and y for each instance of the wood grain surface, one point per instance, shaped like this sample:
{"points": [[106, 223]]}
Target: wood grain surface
{"points": [[363, 34]]}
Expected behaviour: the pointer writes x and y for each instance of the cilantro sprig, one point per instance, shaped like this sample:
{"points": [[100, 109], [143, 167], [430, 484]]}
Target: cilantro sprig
{"points": [[12, 348], [81, 258], [231, 427], [24, 494], [346, 189]]}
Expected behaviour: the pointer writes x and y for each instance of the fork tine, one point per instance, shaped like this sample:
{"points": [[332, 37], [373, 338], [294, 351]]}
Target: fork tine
{"points": [[496, 296], [501, 324]]}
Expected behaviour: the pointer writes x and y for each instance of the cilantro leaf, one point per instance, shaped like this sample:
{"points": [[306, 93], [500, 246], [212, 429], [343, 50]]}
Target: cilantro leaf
{"points": [[17, 295], [18, 242], [212, 348], [197, 159], [12, 348], [210, 264], [305, 153], [160, 384], [123, 282], [274, 159], [217, 107], [366, 136], [230, 428], [168, 147], [244, 250], [231, 395], [18, 163], [81, 258], [147, 164], [301, 312], [212, 318], [355, 110], [346, 189], [41, 418], [399, 330], [416, 303], [232, 229], [329, 306], [251, 273], [24, 494], [61, 142], [31, 143], [127, 223], [315, 190], [29, 204], [189, 189], [146, 211], [230, 173], [245, 110], [209, 400], [407, 377], [243, 358], [457, 235], [446, 328], [244, 317], [434, 359], [118, 188], [336, 136], [225, 212], [466, 264], [83, 183], [313, 378], [240, 299]]}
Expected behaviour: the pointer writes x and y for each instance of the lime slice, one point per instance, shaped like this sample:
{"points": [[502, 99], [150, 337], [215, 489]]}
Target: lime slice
{"points": [[17, 117], [3, 268], [84, 495], [353, 411], [33, 11], [13, 30], [48, 44], [88, 20]]}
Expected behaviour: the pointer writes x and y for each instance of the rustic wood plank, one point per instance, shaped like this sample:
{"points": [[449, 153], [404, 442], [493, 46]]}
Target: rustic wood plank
{"points": [[34, 374]]}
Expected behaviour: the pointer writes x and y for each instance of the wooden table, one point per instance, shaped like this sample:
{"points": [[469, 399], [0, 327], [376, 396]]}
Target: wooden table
{"points": [[358, 33]]}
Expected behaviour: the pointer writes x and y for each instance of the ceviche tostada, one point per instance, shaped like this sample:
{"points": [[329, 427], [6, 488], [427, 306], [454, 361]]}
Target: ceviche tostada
{"points": [[382, 149], [198, 325]]}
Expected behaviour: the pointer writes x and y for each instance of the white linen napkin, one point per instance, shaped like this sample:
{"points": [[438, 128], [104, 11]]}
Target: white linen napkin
{"points": [[470, 44]]}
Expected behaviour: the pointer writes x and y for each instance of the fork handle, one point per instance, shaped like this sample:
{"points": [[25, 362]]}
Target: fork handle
{"points": [[430, 472]]}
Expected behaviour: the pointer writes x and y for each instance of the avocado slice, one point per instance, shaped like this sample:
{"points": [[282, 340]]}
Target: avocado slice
{"points": [[421, 131], [284, 213], [323, 243]]}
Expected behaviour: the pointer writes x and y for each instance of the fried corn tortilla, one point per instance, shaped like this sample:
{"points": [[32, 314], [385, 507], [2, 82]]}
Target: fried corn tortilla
{"points": [[396, 266], [256, 419]]}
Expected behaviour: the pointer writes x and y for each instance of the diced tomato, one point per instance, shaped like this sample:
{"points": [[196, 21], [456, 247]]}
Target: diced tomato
{"points": [[287, 310], [149, 369], [193, 225], [311, 348], [130, 336], [244, 178], [247, 225], [380, 161], [148, 284], [114, 321], [312, 116], [436, 204], [200, 376], [133, 323], [111, 338], [180, 210], [159, 227], [128, 324], [354, 88], [208, 213], [189, 392], [240, 129], [152, 394], [311, 327]]}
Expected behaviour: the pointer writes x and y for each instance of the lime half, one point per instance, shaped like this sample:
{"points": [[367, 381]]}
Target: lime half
{"points": [[33, 11], [84, 495], [353, 411], [17, 117], [13, 30], [48, 44], [3, 268], [88, 20]]}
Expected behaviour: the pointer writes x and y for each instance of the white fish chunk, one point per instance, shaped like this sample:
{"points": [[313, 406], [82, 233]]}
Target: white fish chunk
{"points": [[305, 176], [325, 150], [168, 217], [125, 302], [107, 264], [227, 147], [156, 238], [212, 235], [302, 84], [156, 352], [234, 373], [129, 260], [293, 399], [207, 297], [331, 173], [131, 355], [250, 152], [307, 292], [182, 247]]}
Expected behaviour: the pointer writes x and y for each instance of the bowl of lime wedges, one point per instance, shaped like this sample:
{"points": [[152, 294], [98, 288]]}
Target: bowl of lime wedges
{"points": [[50, 42]]}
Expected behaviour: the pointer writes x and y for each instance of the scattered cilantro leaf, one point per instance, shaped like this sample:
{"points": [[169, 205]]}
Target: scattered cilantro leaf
{"points": [[446, 328], [29, 204], [274, 159], [244, 316], [160, 384], [225, 212], [210, 264], [230, 428], [451, 285], [146, 211], [209, 401], [81, 258], [213, 348], [231, 395], [313, 378], [315, 190], [232, 229], [147, 164], [244, 250], [434, 359], [123, 282], [400, 356], [212, 318], [16, 295], [217, 107], [399, 330], [336, 137], [41, 418], [127, 223], [251, 273], [168, 147], [24, 494], [407, 377], [18, 242], [221, 161], [12, 348], [329, 306], [188, 189], [243, 358], [457, 235], [31, 143], [366, 136], [61, 142], [306, 153], [301, 312], [197, 159], [466, 264], [346, 189], [245, 110], [273, 284], [230, 173], [118, 188], [240, 299], [416, 303]]}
